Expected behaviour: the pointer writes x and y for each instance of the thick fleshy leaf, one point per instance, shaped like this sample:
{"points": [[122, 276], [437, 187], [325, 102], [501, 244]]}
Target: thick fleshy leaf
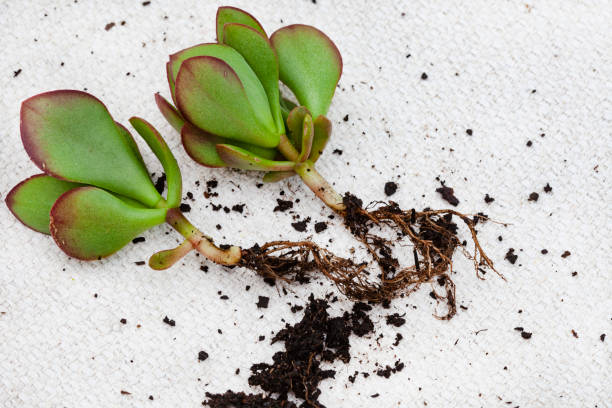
{"points": [[31, 200], [286, 107], [259, 54], [159, 147], [170, 113], [253, 88], [239, 158], [227, 15], [307, 137], [295, 121], [211, 96], [70, 135], [275, 176], [130, 141], [310, 65], [201, 146], [90, 223], [322, 132]]}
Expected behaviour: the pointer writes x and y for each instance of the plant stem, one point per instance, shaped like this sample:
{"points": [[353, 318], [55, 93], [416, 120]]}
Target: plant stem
{"points": [[311, 177], [319, 186], [200, 242]]}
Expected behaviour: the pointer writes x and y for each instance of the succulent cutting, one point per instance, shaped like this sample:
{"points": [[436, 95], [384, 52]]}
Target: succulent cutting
{"points": [[95, 194], [230, 112]]}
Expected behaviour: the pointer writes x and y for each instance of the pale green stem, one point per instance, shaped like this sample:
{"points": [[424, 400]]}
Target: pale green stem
{"points": [[311, 177], [201, 242]]}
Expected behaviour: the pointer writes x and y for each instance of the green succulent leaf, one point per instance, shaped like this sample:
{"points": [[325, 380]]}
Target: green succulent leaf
{"points": [[212, 96], [295, 120], [286, 107], [307, 138], [259, 54], [201, 146], [159, 147], [70, 135], [275, 176], [89, 223], [239, 158], [130, 141], [322, 132], [228, 15], [310, 65], [31, 200], [170, 113], [254, 90]]}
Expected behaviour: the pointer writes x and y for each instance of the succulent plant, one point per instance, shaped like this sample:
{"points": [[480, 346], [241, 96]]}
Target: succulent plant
{"points": [[95, 194], [228, 107]]}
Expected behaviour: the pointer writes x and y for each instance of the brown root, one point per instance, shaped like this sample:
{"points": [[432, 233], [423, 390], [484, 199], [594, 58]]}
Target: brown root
{"points": [[433, 234]]}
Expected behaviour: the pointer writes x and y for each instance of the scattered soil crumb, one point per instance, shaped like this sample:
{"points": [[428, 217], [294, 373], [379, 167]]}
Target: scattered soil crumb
{"points": [[469, 132], [109, 26], [547, 188], [338, 152], [424, 76], [16, 73], [184, 207], [123, 392], [160, 183], [396, 320], [283, 205], [202, 355], [138, 240], [488, 199], [320, 227], [511, 256], [448, 194], [388, 370], [533, 197], [300, 226], [390, 188], [565, 254], [169, 321], [574, 333], [262, 302], [346, 118]]}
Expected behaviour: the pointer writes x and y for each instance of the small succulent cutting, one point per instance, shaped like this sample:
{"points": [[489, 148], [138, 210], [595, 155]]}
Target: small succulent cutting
{"points": [[230, 113], [95, 194]]}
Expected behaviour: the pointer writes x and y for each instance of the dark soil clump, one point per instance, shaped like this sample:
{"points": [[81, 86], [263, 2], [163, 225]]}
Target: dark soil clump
{"points": [[390, 188], [297, 370]]}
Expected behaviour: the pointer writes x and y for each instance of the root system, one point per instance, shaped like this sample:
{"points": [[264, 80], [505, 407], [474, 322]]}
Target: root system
{"points": [[432, 233]]}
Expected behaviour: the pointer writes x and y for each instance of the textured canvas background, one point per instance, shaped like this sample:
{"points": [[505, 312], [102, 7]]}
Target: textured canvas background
{"points": [[513, 71]]}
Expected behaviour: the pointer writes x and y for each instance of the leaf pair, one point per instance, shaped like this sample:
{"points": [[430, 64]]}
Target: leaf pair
{"points": [[230, 112], [96, 194]]}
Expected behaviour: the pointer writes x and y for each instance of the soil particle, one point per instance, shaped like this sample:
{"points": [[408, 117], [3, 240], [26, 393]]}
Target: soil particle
{"points": [[138, 240], [320, 227], [390, 188], [398, 338], [488, 199], [544, 251], [283, 205], [388, 370], [526, 335], [396, 320], [511, 256], [338, 152], [469, 132], [565, 254], [169, 321], [297, 370], [602, 337], [533, 197], [574, 333], [448, 194], [139, 263], [529, 143], [547, 188], [160, 183], [146, 3], [238, 208], [124, 392], [424, 76], [16, 73], [109, 26], [300, 226], [262, 302], [123, 321], [346, 118], [184, 207], [202, 355]]}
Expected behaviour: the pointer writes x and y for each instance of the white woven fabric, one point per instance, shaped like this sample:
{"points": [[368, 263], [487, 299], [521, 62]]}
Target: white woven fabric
{"points": [[513, 71]]}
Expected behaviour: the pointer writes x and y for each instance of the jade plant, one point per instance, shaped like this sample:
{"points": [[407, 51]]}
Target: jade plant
{"points": [[95, 194], [230, 112]]}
